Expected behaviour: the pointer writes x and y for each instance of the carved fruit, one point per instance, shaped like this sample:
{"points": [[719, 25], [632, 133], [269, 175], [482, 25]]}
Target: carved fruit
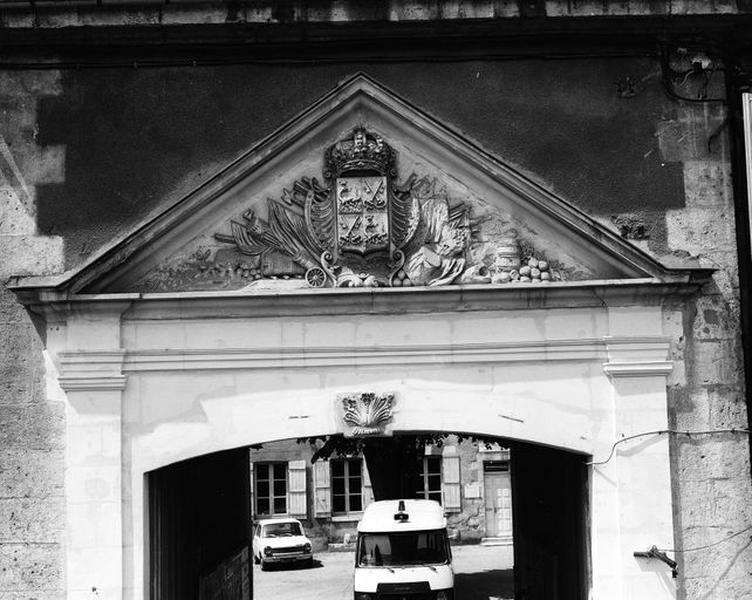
{"points": [[524, 271], [543, 265], [535, 273]]}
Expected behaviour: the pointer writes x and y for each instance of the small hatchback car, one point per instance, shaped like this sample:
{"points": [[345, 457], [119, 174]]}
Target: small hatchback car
{"points": [[278, 541]]}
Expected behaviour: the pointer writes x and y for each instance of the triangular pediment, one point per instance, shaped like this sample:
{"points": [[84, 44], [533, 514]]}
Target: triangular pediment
{"points": [[363, 189]]}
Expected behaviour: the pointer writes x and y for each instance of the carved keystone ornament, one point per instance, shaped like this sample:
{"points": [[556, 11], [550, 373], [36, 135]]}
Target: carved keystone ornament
{"points": [[363, 229], [366, 414]]}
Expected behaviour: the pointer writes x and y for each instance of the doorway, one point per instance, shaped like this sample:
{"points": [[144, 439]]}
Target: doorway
{"points": [[497, 484], [201, 515]]}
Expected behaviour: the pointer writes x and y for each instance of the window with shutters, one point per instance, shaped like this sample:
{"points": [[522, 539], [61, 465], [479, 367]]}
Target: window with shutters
{"points": [[429, 475], [270, 488], [347, 485]]}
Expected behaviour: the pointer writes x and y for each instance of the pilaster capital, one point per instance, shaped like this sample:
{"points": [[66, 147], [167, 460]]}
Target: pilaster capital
{"points": [[637, 357], [99, 370]]}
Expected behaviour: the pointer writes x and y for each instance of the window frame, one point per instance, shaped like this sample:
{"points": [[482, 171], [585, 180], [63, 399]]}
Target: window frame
{"points": [[425, 475], [346, 477], [271, 497]]}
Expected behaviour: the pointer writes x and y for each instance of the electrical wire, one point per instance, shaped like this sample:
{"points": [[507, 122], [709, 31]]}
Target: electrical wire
{"points": [[661, 432], [706, 546]]}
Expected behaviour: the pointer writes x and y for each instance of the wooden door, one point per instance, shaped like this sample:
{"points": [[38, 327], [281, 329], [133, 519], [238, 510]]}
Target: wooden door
{"points": [[498, 499]]}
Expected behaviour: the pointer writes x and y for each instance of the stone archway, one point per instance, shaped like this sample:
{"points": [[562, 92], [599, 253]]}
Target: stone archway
{"points": [[163, 350], [566, 378]]}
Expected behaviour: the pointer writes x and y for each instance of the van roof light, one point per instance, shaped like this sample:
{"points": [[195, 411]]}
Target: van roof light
{"points": [[401, 515]]}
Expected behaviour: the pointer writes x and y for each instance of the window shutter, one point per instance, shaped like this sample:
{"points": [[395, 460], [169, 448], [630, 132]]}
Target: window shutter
{"points": [[296, 489], [450, 471], [367, 487], [322, 489], [251, 497]]}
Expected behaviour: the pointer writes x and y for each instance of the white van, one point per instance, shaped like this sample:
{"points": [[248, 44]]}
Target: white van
{"points": [[403, 552]]}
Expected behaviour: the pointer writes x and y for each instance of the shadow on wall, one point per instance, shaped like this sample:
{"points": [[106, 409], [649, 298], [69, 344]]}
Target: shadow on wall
{"points": [[496, 584]]}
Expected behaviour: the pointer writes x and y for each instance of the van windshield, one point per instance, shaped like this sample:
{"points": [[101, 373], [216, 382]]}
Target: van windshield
{"points": [[400, 549]]}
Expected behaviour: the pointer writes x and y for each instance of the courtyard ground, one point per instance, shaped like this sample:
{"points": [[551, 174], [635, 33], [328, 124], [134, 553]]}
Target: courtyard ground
{"points": [[481, 573]]}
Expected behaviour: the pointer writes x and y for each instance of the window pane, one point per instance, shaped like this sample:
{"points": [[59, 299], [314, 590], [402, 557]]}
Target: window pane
{"points": [[354, 485], [338, 468], [279, 471], [354, 466], [262, 488], [434, 464], [280, 505], [338, 486], [338, 504], [355, 503], [262, 506], [262, 471], [435, 496], [280, 488], [434, 482]]}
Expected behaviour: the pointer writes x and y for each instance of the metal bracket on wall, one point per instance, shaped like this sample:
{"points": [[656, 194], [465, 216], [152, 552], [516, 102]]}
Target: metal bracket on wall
{"points": [[655, 553]]}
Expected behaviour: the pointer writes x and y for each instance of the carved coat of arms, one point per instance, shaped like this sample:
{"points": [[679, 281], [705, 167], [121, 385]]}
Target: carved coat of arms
{"points": [[361, 228]]}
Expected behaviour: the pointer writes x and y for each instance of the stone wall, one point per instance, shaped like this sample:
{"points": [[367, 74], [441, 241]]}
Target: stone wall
{"points": [[31, 427], [88, 154]]}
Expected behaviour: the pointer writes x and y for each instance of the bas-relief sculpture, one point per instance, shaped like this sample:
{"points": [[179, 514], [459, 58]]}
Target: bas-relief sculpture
{"points": [[361, 227], [366, 414]]}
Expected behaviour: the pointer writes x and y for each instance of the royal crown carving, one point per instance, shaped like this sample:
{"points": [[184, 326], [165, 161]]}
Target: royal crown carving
{"points": [[363, 151]]}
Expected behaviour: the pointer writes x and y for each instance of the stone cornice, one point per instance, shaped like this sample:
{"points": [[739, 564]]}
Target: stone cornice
{"points": [[103, 368], [353, 301]]}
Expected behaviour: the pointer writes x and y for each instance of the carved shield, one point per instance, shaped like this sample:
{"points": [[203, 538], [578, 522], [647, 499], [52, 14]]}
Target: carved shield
{"points": [[362, 214]]}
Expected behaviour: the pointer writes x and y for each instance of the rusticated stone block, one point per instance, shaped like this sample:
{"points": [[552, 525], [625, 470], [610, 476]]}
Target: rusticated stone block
{"points": [[32, 519], [31, 473], [716, 361], [30, 566]]}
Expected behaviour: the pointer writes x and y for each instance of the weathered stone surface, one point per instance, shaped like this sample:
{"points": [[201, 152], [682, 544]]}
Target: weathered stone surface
{"points": [[30, 566], [29, 473], [28, 519], [31, 426]]}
